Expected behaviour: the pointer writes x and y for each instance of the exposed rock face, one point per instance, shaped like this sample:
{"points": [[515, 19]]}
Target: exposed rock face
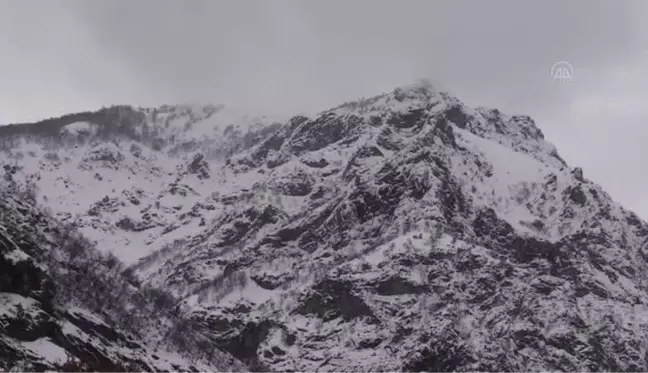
{"points": [[332, 299], [406, 231], [199, 167], [578, 174]]}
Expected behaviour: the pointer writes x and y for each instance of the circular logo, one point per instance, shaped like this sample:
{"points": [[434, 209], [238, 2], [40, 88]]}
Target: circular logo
{"points": [[562, 71]]}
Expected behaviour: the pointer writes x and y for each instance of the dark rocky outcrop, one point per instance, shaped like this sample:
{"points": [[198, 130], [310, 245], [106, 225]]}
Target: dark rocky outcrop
{"points": [[397, 286], [331, 299], [322, 131], [199, 167]]}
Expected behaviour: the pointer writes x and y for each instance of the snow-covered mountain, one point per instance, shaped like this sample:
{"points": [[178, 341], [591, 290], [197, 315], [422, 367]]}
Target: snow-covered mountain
{"points": [[406, 231]]}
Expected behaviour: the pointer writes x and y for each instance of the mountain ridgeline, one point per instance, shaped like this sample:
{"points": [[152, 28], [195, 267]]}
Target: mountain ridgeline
{"points": [[401, 232]]}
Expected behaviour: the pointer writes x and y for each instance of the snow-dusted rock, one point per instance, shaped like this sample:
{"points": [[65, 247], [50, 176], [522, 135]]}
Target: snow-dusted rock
{"points": [[404, 231]]}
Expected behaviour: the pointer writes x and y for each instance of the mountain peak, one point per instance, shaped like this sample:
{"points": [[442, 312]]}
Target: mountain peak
{"points": [[422, 87], [417, 94]]}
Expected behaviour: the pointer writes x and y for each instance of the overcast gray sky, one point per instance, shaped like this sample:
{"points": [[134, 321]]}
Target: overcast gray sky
{"points": [[284, 56]]}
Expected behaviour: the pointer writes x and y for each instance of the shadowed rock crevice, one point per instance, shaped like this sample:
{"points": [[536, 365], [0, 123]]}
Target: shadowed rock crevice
{"points": [[331, 299]]}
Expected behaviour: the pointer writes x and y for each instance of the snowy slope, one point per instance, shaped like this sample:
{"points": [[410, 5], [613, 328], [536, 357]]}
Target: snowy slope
{"points": [[99, 181]]}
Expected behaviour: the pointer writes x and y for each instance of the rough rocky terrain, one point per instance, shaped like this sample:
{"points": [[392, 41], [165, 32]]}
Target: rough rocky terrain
{"points": [[406, 231]]}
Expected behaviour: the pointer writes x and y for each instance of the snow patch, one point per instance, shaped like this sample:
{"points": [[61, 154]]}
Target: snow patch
{"points": [[79, 128], [45, 348]]}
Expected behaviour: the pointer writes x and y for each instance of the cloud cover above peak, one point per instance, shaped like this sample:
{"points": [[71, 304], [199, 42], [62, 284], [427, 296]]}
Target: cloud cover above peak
{"points": [[304, 56]]}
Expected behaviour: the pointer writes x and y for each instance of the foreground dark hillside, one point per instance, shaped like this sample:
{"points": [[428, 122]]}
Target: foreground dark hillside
{"points": [[65, 306]]}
